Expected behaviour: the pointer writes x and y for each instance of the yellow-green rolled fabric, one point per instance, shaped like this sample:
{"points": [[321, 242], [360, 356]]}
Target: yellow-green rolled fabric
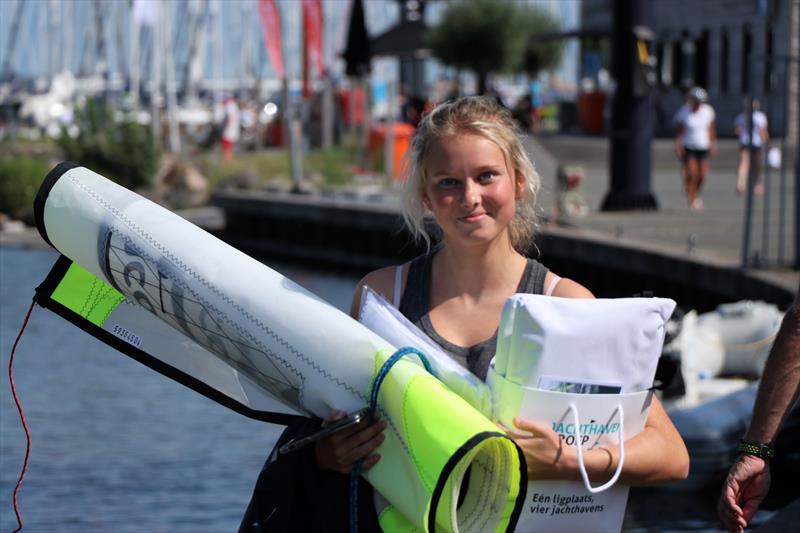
{"points": [[439, 437]]}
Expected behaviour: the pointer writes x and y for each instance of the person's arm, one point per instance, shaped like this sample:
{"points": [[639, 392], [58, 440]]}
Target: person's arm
{"points": [[567, 288], [764, 136], [712, 137], [380, 281], [748, 479], [548, 458], [679, 149]]}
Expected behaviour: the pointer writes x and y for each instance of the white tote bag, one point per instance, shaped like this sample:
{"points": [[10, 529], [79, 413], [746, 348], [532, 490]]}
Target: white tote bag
{"points": [[591, 419], [583, 366]]}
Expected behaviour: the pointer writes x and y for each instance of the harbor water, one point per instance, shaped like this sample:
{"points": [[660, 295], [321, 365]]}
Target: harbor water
{"points": [[117, 447]]}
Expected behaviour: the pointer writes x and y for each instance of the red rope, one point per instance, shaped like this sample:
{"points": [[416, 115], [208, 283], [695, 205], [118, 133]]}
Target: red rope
{"points": [[21, 417]]}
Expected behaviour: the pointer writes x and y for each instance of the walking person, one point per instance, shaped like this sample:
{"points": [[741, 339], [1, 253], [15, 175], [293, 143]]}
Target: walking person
{"points": [[695, 143], [760, 141], [748, 480], [230, 129]]}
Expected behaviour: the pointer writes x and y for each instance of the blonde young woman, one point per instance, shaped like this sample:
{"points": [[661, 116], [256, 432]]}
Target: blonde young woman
{"points": [[469, 171]]}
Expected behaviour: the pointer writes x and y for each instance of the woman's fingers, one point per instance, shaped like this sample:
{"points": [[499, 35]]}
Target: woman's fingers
{"points": [[370, 461], [537, 429], [364, 448], [347, 446], [346, 433], [335, 414]]}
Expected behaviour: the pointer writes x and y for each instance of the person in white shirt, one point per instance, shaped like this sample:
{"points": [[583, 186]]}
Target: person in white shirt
{"points": [[695, 142], [760, 140], [230, 129]]}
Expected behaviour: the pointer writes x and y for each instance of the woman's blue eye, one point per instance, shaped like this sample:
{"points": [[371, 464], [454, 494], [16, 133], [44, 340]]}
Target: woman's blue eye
{"points": [[485, 176], [448, 183]]}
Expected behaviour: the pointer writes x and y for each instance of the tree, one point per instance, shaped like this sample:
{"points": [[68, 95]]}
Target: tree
{"points": [[484, 36], [120, 150], [540, 54]]}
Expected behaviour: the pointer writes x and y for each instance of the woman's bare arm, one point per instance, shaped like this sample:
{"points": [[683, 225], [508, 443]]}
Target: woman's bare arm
{"points": [[380, 281]]}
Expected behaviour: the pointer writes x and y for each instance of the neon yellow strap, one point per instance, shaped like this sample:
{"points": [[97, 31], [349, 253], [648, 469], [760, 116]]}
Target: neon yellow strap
{"points": [[85, 294]]}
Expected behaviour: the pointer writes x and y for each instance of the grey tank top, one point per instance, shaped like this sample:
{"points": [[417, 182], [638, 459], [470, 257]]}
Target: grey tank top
{"points": [[415, 306]]}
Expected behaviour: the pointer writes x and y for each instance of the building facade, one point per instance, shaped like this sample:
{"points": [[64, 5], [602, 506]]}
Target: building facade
{"points": [[733, 48]]}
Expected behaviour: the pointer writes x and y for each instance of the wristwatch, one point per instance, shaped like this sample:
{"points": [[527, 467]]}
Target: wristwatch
{"points": [[764, 451]]}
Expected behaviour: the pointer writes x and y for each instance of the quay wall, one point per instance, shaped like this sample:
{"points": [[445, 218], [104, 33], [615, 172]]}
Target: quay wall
{"points": [[363, 234]]}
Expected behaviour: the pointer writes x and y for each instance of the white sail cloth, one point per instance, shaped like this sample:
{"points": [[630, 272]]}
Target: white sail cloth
{"points": [[217, 295]]}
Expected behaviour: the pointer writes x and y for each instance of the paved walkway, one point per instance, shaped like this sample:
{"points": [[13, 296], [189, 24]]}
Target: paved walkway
{"points": [[714, 234]]}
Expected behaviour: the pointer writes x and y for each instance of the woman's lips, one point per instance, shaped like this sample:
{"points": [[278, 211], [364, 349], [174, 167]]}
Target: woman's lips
{"points": [[473, 217]]}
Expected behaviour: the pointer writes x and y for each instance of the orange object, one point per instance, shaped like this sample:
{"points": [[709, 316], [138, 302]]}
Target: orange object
{"points": [[590, 111], [402, 140]]}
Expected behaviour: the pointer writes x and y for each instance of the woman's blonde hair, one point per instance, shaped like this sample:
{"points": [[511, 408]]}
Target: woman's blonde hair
{"points": [[472, 115]]}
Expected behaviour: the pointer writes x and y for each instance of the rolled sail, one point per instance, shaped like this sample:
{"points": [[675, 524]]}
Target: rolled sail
{"points": [[174, 297]]}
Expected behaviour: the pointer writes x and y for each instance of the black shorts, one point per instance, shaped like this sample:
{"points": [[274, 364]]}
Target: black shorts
{"points": [[695, 154], [756, 149]]}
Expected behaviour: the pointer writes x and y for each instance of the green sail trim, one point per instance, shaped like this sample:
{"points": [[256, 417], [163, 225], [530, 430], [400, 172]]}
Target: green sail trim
{"points": [[83, 293], [442, 438]]}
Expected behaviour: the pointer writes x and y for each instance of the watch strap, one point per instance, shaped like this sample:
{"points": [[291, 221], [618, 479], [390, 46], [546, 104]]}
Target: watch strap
{"points": [[764, 451]]}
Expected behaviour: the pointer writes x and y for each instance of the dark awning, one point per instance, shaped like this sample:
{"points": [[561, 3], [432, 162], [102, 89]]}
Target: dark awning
{"points": [[406, 39]]}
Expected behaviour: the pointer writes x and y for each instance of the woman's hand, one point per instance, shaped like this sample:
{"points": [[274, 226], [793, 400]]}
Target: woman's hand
{"points": [[546, 454], [655, 455], [340, 450]]}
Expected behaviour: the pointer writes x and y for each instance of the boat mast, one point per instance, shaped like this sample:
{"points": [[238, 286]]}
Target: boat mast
{"points": [[12, 40], [218, 52], [134, 65], [169, 78], [53, 16], [68, 20], [101, 59], [247, 71], [88, 37], [155, 78], [122, 68], [193, 68]]}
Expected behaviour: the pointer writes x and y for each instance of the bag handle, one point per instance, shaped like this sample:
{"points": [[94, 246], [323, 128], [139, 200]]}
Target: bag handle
{"points": [[582, 466]]}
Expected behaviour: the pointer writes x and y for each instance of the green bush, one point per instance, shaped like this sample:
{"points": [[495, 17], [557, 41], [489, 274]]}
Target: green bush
{"points": [[20, 178], [122, 151]]}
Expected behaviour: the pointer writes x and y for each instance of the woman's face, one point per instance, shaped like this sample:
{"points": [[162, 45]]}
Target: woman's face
{"points": [[470, 188]]}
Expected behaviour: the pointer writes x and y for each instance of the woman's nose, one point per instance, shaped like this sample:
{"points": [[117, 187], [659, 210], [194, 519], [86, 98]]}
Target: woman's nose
{"points": [[471, 194]]}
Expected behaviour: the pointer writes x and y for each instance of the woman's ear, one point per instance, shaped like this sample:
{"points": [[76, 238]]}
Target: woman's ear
{"points": [[519, 186]]}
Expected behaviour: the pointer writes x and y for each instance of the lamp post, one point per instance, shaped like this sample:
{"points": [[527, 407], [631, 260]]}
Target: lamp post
{"points": [[632, 108]]}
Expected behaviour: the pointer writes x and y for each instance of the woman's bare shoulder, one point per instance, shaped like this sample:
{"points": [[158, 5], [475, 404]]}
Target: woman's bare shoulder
{"points": [[567, 288], [380, 281]]}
